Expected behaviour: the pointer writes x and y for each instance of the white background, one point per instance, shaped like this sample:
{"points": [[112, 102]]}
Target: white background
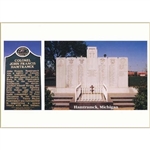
{"points": [[73, 31], [104, 11]]}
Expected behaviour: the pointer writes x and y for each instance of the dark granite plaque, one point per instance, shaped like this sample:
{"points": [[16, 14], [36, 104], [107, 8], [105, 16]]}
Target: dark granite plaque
{"points": [[22, 81]]}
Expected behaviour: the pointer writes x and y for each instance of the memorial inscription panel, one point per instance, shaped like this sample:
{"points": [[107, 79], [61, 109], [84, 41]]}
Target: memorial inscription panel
{"points": [[122, 72], [22, 81], [81, 62], [112, 62], [92, 70], [61, 71], [71, 72], [102, 62]]}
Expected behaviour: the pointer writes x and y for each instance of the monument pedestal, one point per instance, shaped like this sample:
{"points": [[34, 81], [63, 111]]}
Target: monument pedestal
{"points": [[65, 90], [119, 90], [110, 90]]}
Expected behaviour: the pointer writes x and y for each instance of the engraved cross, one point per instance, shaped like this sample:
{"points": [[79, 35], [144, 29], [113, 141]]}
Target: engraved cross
{"points": [[92, 88]]}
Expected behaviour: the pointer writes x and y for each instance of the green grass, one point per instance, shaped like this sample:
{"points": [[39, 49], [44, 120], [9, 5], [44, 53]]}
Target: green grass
{"points": [[137, 81]]}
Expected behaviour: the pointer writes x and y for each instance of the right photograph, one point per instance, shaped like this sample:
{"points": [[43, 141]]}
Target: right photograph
{"points": [[96, 75]]}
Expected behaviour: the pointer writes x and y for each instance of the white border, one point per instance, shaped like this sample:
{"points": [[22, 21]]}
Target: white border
{"points": [[79, 10], [74, 31]]}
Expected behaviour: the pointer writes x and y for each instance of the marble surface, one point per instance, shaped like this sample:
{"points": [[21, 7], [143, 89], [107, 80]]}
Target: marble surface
{"points": [[92, 70]]}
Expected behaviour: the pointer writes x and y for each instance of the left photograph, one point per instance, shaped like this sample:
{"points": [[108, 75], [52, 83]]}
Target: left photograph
{"points": [[22, 65]]}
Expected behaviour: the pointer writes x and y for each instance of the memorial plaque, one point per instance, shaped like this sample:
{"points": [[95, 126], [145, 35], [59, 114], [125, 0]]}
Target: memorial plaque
{"points": [[22, 80]]}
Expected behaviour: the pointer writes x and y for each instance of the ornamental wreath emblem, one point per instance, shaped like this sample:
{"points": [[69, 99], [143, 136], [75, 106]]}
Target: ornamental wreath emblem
{"points": [[22, 51]]}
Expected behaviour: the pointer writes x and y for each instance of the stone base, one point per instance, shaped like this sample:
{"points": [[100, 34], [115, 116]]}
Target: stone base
{"points": [[123, 90], [111, 90], [65, 90], [62, 90]]}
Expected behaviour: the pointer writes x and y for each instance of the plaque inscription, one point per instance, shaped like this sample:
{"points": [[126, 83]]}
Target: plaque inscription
{"points": [[22, 81]]}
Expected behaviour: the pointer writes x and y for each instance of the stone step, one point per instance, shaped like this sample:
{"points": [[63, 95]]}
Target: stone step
{"points": [[85, 100], [122, 100], [61, 101], [62, 97], [61, 104], [64, 94], [124, 104], [119, 97]]}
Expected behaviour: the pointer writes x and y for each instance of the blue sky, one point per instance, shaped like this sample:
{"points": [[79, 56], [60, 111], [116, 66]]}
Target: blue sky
{"points": [[11, 46], [136, 51]]}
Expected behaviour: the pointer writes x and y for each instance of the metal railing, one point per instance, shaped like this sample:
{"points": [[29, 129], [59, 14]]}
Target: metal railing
{"points": [[89, 95], [105, 92], [78, 92], [84, 93]]}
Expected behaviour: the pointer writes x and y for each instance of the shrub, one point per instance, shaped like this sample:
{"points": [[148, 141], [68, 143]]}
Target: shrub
{"points": [[140, 99], [48, 99]]}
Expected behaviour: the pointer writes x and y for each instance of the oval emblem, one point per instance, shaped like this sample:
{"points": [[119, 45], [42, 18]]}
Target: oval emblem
{"points": [[22, 51]]}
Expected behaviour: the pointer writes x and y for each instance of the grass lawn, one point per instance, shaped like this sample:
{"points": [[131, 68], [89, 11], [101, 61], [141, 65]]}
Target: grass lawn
{"points": [[137, 81]]}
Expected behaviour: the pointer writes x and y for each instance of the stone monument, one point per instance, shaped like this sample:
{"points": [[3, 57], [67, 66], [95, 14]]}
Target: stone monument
{"points": [[92, 70], [22, 80]]}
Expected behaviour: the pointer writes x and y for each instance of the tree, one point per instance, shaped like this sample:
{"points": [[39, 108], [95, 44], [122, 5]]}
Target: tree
{"points": [[48, 99], [55, 49], [140, 99]]}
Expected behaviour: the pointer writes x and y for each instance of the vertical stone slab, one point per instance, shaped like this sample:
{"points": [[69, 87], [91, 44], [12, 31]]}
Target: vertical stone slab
{"points": [[81, 70], [103, 71], [122, 72], [71, 72], [91, 52], [93, 70], [60, 72], [92, 67], [112, 72]]}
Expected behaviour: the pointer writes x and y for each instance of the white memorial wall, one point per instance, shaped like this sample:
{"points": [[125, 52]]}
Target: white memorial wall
{"points": [[92, 70]]}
